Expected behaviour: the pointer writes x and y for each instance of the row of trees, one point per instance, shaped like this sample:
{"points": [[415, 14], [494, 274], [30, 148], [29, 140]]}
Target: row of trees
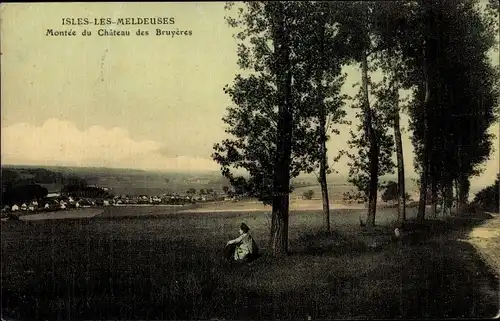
{"points": [[208, 191], [16, 189], [23, 194], [288, 101]]}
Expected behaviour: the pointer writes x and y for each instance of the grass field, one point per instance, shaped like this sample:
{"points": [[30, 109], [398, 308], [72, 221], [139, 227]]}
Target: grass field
{"points": [[160, 263]]}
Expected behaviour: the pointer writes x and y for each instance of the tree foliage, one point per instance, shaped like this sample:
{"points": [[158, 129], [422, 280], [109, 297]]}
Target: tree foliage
{"points": [[445, 47], [390, 191], [23, 193], [253, 119], [308, 195], [358, 153], [488, 198]]}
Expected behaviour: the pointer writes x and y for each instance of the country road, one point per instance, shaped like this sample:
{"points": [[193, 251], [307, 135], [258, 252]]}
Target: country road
{"points": [[486, 239]]}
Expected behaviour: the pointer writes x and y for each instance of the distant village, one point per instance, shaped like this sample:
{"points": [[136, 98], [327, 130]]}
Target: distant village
{"points": [[27, 195], [75, 200]]}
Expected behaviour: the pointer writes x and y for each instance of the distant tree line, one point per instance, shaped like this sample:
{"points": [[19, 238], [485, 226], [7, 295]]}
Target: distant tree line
{"points": [[16, 189], [78, 187], [23, 194]]}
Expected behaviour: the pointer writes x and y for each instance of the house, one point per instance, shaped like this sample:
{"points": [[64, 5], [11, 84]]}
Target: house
{"points": [[15, 208]]}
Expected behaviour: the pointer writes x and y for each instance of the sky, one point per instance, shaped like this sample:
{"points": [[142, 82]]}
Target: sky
{"points": [[143, 102]]}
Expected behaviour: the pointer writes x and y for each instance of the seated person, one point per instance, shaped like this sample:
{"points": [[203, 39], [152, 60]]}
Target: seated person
{"points": [[242, 248]]}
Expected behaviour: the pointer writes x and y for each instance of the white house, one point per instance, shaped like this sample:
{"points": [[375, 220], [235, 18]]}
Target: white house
{"points": [[15, 208]]}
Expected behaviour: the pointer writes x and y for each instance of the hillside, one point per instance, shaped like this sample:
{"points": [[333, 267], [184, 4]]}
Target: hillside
{"points": [[120, 181]]}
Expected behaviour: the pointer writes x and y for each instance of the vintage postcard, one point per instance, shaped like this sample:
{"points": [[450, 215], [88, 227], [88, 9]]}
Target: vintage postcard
{"points": [[250, 160]]}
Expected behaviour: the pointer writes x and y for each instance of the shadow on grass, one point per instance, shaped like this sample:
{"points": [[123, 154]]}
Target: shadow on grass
{"points": [[144, 280], [330, 244]]}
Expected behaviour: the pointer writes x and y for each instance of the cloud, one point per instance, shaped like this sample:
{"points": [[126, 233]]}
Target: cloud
{"points": [[59, 142]]}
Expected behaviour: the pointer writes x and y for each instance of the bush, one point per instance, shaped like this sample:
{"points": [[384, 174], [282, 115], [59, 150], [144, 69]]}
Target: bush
{"points": [[308, 195]]}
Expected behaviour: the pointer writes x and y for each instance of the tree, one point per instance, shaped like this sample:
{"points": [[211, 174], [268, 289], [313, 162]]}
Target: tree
{"points": [[73, 183], [391, 192], [191, 191], [388, 58], [308, 195], [369, 35], [276, 122], [320, 85], [443, 46], [488, 198], [202, 191], [24, 193], [360, 167], [261, 122], [9, 178], [225, 189]]}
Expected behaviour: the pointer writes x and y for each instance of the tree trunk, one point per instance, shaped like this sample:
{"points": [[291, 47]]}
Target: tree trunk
{"points": [[324, 187], [281, 186], [425, 157], [279, 238], [448, 196], [443, 201], [400, 160], [373, 151], [434, 197], [458, 192], [323, 167], [463, 194]]}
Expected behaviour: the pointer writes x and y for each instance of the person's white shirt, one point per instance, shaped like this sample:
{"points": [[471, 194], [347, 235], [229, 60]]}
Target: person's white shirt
{"points": [[244, 246]]}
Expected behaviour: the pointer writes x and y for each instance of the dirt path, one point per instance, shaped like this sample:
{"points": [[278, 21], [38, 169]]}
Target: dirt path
{"points": [[486, 239]]}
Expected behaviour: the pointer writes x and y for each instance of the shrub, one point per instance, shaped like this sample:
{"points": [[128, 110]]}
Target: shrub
{"points": [[308, 195]]}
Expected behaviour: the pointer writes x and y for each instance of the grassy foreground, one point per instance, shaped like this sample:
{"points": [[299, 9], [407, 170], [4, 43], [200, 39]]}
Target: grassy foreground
{"points": [[140, 263]]}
